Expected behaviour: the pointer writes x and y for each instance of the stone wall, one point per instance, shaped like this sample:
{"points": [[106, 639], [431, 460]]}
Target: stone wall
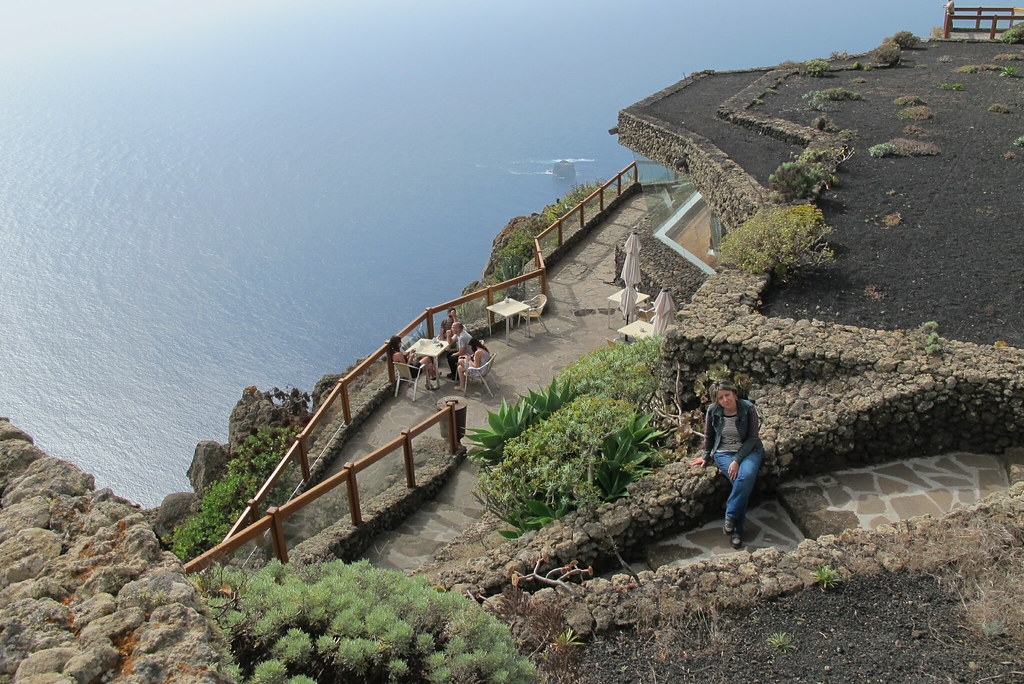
{"points": [[734, 581], [728, 189], [385, 511], [86, 593], [830, 396]]}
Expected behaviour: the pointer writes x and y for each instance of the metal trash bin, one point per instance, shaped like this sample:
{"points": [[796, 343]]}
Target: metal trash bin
{"points": [[461, 405]]}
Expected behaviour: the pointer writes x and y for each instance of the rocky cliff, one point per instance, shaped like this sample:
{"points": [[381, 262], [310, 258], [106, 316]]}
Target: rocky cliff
{"points": [[86, 592]]}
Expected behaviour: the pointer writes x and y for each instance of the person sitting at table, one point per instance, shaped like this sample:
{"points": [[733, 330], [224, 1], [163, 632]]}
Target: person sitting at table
{"points": [[471, 364], [416, 362], [458, 338], [446, 325]]}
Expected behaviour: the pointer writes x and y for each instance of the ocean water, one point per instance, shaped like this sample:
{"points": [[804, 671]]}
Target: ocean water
{"points": [[197, 197]]}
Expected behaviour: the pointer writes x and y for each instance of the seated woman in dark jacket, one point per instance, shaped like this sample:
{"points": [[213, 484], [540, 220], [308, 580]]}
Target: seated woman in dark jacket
{"points": [[731, 437]]}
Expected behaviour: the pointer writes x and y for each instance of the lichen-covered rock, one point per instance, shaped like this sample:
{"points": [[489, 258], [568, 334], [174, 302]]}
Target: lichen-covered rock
{"points": [[174, 510], [209, 464], [84, 583], [45, 477]]}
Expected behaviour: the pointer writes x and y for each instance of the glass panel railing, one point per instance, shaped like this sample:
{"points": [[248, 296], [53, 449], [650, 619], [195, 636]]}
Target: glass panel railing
{"points": [[320, 513]]}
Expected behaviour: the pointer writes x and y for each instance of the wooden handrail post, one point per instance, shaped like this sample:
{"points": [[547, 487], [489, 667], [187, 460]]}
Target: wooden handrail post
{"points": [[600, 202], [277, 535], [490, 300], [252, 507], [410, 467], [583, 214], [346, 405], [544, 280], [303, 455], [561, 221], [353, 496], [453, 430], [430, 323]]}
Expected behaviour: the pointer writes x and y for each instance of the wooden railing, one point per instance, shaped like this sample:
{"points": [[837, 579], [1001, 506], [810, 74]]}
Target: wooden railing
{"points": [[557, 233], [979, 19], [273, 521]]}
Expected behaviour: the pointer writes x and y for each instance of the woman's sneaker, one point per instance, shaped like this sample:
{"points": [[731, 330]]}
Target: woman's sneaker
{"points": [[729, 525], [736, 540]]}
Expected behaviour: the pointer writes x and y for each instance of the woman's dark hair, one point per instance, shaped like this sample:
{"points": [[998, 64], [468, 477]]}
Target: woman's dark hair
{"points": [[720, 385], [475, 344], [394, 344]]}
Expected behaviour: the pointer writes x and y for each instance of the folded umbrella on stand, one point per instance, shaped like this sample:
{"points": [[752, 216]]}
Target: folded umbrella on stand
{"points": [[664, 312], [627, 304]]}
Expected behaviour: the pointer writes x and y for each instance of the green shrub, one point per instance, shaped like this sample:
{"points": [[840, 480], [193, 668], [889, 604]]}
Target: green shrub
{"points": [[1008, 72], [882, 150], [224, 500], [918, 113], [626, 371], [887, 54], [1019, 142], [777, 241], [817, 98], [577, 194], [908, 101], [905, 40], [793, 181], [511, 420], [816, 68], [339, 622], [550, 461], [1014, 34], [999, 108], [951, 86], [926, 338]]}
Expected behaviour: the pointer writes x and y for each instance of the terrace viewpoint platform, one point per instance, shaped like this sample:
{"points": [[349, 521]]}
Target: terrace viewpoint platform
{"points": [[576, 320]]}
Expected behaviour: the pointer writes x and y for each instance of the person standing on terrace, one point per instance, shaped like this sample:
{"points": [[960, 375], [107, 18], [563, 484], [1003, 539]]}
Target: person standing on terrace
{"points": [[731, 437], [446, 324]]}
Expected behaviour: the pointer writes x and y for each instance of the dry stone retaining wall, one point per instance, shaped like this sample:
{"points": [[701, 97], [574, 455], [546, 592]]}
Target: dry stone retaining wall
{"points": [[829, 396]]}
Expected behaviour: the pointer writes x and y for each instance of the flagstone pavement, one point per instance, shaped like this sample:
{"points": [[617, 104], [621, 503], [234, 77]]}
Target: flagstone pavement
{"points": [[576, 321]]}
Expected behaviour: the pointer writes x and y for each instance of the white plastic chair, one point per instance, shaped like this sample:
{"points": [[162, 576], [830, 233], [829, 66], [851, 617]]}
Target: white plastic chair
{"points": [[537, 305], [480, 374], [404, 374]]}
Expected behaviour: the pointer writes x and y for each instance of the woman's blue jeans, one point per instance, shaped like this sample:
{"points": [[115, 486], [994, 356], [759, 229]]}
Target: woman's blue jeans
{"points": [[742, 486]]}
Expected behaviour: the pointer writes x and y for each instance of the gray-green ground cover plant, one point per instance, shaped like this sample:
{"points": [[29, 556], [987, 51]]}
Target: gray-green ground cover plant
{"points": [[777, 241], [338, 622]]}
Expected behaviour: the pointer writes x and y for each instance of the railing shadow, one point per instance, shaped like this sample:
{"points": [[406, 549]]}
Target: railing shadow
{"points": [[364, 378]]}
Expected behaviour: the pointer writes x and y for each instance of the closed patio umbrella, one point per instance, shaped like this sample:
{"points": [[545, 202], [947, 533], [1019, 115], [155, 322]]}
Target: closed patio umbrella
{"points": [[664, 312], [631, 266], [628, 302]]}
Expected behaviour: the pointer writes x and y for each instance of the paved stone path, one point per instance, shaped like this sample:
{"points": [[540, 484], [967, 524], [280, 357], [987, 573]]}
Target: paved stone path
{"points": [[859, 497], [576, 322]]}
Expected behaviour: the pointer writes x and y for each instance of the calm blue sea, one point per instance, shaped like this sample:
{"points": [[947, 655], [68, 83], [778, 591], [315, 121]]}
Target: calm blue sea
{"points": [[196, 197]]}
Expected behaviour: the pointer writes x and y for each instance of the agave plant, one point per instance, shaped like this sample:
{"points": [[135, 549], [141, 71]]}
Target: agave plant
{"points": [[512, 420], [626, 456]]}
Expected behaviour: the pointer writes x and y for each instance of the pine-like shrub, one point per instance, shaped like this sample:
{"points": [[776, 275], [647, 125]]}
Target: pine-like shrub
{"points": [[1014, 34], [905, 40], [335, 622], [886, 54], [624, 371], [816, 68], [778, 241], [882, 150], [549, 462], [793, 181]]}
